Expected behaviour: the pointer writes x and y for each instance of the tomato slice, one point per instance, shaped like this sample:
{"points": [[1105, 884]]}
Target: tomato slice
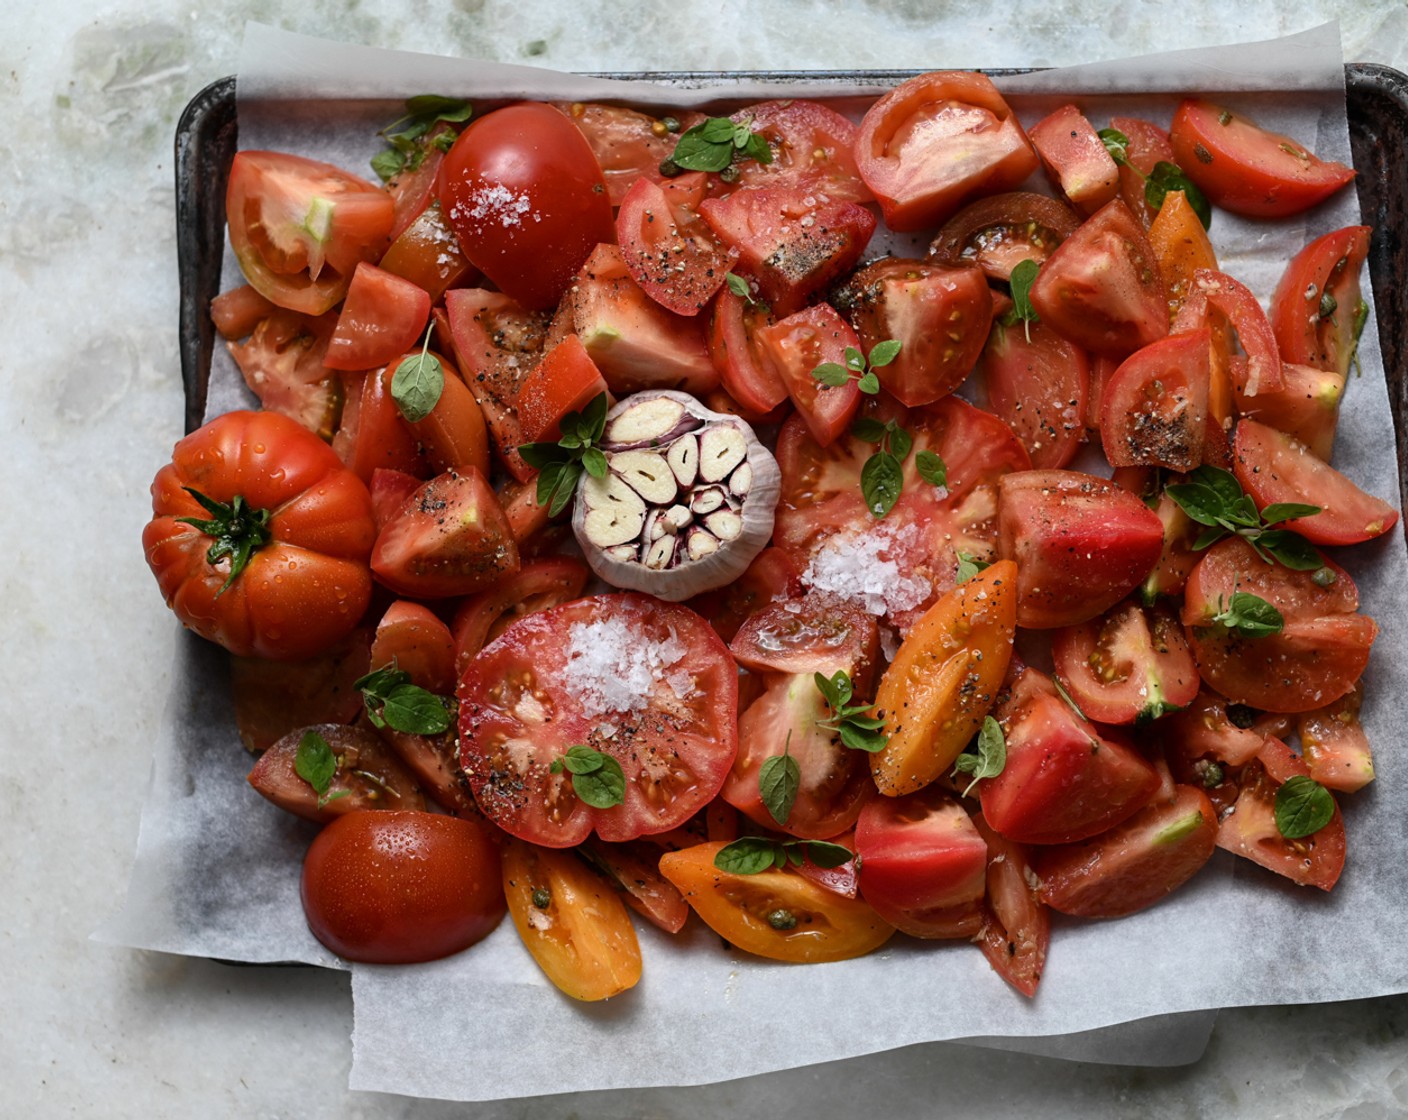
{"points": [[1064, 781], [383, 316], [1244, 168], [299, 227], [813, 150], [1038, 383], [573, 923], [1155, 406], [643, 681], [1334, 746], [1249, 830], [789, 240], [897, 566], [938, 314], [1130, 665], [746, 374], [923, 864], [1314, 307], [1317, 657], [771, 576], [1220, 301], [368, 775], [1274, 467], [810, 634], [780, 915], [1135, 864], [997, 233], [1081, 544], [1016, 926], [1101, 288], [793, 348], [934, 142], [1076, 159], [668, 247]]}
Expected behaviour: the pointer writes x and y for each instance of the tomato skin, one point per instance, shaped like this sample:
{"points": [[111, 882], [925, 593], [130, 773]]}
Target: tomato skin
{"points": [[1101, 288], [1154, 410], [1081, 544], [382, 317], [938, 314], [795, 346], [451, 538], [1325, 271], [829, 927], [521, 707], [934, 142], [427, 253], [238, 311], [1037, 382], [944, 680], [1132, 664], [273, 204], [1135, 864], [1233, 304], [583, 939], [1076, 159], [1274, 467], [397, 888], [1250, 830], [369, 776], [923, 864], [453, 436], [303, 591], [566, 380], [634, 869], [669, 249], [1315, 659], [1244, 168], [523, 162]]}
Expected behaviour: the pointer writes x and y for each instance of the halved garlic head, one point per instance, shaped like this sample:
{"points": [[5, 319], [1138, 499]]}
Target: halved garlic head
{"points": [[687, 501]]}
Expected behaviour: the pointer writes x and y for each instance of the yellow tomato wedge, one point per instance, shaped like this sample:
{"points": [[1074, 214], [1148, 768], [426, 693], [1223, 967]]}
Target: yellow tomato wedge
{"points": [[781, 915], [571, 920], [944, 679]]}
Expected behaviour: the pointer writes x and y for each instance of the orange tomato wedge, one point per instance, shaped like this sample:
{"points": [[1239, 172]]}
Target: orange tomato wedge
{"points": [[780, 915], [571, 920], [944, 679]]}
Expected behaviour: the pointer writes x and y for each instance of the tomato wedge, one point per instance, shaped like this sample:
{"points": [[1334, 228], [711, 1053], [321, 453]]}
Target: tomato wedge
{"points": [[668, 247], [1315, 306], [1038, 383], [1334, 746], [1154, 409], [1076, 159], [1016, 926], [997, 233], [793, 348]]}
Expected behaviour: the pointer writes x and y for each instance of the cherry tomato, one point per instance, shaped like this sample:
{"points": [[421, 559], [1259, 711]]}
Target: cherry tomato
{"points": [[1316, 304], [944, 679], [934, 142], [382, 317], [938, 314], [1320, 651], [525, 196], [1037, 382], [1081, 544], [572, 922], [643, 681], [299, 227], [793, 348], [780, 915], [1244, 168], [912, 554], [396, 888], [1076, 159], [923, 864], [668, 247], [290, 534], [997, 233], [1154, 410], [368, 776]]}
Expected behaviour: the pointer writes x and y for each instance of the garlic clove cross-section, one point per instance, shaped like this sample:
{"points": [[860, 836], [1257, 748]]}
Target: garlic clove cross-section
{"points": [[687, 501]]}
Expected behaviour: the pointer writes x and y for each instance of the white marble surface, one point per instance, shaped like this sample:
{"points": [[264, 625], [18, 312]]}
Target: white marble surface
{"points": [[91, 92]]}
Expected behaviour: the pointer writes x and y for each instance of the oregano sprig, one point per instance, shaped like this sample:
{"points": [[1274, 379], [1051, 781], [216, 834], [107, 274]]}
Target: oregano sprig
{"points": [[969, 566], [752, 855], [779, 779], [393, 701], [1163, 178], [715, 145], [744, 291], [1021, 280], [859, 367], [1215, 499], [423, 113], [560, 465], [857, 731], [1248, 616], [316, 764], [597, 778], [989, 760]]}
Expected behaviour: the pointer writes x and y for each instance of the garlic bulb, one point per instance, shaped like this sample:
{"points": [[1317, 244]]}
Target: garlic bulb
{"points": [[687, 501]]}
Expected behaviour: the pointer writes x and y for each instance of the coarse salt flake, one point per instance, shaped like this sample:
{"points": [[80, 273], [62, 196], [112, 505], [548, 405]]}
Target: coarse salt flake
{"points": [[611, 667], [862, 568], [497, 203]]}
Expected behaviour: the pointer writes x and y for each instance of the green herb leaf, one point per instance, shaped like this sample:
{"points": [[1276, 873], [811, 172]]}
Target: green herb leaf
{"points": [[1116, 143], [1291, 550], [835, 690], [316, 764], [1277, 512], [1213, 497], [860, 739], [825, 854], [748, 855], [417, 384], [415, 711], [594, 460], [832, 374], [868, 383], [881, 481], [868, 430], [456, 110], [991, 756], [388, 163], [932, 469], [969, 566], [739, 286], [900, 442], [1167, 177], [1021, 280], [561, 464], [597, 778], [1249, 616], [564, 488], [883, 353], [713, 144], [1303, 807], [779, 779], [855, 360]]}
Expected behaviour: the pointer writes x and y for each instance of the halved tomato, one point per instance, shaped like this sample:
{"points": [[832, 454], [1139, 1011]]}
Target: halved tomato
{"points": [[633, 868], [1038, 383], [647, 683], [810, 634]]}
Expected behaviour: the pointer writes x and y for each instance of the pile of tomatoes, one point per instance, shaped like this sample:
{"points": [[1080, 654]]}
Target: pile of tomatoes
{"points": [[964, 684]]}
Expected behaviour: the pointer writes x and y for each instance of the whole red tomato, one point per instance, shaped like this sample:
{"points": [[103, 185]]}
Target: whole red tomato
{"points": [[259, 537], [401, 887], [526, 198]]}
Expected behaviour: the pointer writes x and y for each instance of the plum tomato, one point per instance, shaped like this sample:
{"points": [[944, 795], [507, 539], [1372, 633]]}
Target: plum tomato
{"points": [[1130, 665], [1181, 246], [525, 196], [1315, 307], [780, 915], [923, 864], [1246, 169], [1080, 542], [1037, 382], [997, 233], [367, 776], [271, 558], [644, 682], [944, 679], [1316, 657], [402, 887], [572, 922], [299, 227], [1154, 410], [932, 143]]}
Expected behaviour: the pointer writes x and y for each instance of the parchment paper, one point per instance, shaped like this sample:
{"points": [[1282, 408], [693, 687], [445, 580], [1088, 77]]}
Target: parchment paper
{"points": [[216, 871]]}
